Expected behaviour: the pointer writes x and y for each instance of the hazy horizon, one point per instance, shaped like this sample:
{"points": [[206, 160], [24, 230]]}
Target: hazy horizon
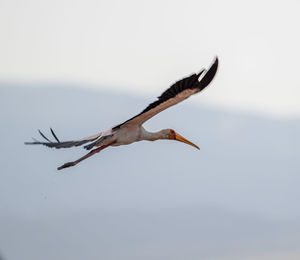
{"points": [[111, 89]]}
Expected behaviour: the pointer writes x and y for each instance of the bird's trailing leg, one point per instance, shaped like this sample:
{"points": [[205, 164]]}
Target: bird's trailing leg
{"points": [[70, 164]]}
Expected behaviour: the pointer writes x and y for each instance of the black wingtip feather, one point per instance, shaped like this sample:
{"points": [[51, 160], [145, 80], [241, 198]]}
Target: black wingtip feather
{"points": [[44, 136], [54, 135], [210, 74]]}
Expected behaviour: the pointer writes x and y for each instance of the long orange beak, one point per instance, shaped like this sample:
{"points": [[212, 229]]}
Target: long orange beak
{"points": [[182, 139]]}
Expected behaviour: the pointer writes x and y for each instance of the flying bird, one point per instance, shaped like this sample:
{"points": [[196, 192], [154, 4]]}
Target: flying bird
{"points": [[132, 130]]}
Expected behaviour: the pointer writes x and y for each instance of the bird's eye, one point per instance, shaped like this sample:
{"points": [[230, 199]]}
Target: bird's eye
{"points": [[173, 134]]}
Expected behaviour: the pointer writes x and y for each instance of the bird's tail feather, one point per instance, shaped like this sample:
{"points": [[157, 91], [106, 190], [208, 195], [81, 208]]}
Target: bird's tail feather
{"points": [[66, 144]]}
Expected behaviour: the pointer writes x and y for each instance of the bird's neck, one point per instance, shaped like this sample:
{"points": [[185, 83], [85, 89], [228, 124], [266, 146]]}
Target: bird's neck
{"points": [[152, 136]]}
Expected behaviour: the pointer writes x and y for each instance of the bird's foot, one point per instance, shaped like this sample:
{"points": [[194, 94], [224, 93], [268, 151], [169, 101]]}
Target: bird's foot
{"points": [[66, 165]]}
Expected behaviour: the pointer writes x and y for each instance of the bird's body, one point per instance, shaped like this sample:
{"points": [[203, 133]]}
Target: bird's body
{"points": [[128, 135], [132, 130], [134, 134]]}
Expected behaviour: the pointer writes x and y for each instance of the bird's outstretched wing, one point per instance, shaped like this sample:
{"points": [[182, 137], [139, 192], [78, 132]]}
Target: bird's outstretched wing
{"points": [[179, 91], [66, 144]]}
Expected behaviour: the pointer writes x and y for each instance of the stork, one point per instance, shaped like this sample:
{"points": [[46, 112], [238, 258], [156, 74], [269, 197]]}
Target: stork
{"points": [[132, 130]]}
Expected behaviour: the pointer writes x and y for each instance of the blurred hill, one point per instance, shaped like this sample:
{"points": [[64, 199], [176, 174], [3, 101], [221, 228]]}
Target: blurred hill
{"points": [[236, 197]]}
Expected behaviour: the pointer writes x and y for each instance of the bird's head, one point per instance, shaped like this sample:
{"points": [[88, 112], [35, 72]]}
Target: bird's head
{"points": [[172, 135]]}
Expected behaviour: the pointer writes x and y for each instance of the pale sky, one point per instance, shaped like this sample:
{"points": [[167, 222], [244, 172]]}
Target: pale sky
{"points": [[142, 47]]}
